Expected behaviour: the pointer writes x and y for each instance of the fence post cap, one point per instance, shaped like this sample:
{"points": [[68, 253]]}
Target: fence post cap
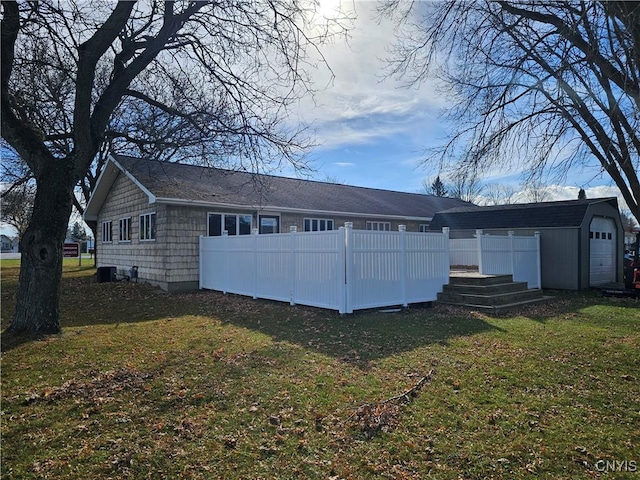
{"points": [[402, 228], [511, 233], [293, 228], [225, 233], [348, 224], [446, 229], [254, 231]]}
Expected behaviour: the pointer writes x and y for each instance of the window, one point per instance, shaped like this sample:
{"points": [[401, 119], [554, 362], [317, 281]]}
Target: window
{"points": [[148, 226], [424, 228], [317, 224], [381, 226], [269, 224], [106, 232], [124, 230], [234, 224]]}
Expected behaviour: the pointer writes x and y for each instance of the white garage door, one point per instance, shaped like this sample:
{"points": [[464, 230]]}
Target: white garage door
{"points": [[602, 243]]}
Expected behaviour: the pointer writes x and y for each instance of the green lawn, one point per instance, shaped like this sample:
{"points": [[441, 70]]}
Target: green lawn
{"points": [[143, 384]]}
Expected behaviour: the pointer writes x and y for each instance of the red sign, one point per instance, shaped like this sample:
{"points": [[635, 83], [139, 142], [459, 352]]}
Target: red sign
{"points": [[71, 250]]}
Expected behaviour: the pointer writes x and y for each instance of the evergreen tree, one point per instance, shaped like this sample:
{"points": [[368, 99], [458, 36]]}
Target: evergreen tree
{"points": [[437, 188], [78, 233]]}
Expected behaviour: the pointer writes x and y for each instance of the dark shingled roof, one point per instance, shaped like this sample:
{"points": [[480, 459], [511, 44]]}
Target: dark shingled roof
{"points": [[567, 213], [216, 186]]}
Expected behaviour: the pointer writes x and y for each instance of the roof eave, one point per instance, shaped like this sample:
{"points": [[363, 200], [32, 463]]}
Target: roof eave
{"points": [[274, 208]]}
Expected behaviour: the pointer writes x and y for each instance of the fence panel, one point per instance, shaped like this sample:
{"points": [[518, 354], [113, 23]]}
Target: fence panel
{"points": [[319, 269], [395, 268], [463, 251], [375, 270], [274, 276], [496, 255], [511, 255], [526, 261], [427, 257]]}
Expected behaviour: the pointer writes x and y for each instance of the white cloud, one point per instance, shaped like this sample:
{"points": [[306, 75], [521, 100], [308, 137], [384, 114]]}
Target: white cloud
{"points": [[359, 104]]}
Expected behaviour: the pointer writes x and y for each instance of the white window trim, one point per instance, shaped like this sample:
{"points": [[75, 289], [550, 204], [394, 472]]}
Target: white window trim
{"points": [[423, 228], [386, 226], [222, 222], [141, 230], [107, 238], [270, 215], [318, 220], [120, 239]]}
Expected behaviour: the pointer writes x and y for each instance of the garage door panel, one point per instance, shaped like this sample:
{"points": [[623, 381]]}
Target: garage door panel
{"points": [[602, 251]]}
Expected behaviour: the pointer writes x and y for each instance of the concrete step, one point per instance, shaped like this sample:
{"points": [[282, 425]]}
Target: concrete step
{"points": [[478, 279], [486, 289], [492, 300], [499, 308]]}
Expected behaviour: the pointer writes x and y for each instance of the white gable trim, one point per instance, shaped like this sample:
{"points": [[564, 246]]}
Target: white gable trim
{"points": [[104, 183]]}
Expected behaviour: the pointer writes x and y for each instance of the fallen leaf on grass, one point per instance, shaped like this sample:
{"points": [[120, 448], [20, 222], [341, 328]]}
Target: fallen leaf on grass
{"points": [[97, 390]]}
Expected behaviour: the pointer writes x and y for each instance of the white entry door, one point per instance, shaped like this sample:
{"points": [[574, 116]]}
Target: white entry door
{"points": [[602, 251]]}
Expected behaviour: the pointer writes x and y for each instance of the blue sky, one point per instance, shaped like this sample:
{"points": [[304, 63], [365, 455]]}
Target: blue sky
{"points": [[371, 131]]}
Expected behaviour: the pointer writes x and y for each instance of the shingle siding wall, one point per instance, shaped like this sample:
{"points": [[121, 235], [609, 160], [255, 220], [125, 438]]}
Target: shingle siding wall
{"points": [[184, 227], [126, 200]]}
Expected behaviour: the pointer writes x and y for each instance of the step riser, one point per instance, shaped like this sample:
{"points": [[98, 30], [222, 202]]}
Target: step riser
{"points": [[481, 281], [486, 289]]}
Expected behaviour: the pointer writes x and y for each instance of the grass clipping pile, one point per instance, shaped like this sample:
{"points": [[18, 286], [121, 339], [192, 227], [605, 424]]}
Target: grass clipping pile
{"points": [[370, 418]]}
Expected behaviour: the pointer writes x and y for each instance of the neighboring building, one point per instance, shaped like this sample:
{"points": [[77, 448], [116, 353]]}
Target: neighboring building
{"points": [[150, 213], [581, 241], [6, 244]]}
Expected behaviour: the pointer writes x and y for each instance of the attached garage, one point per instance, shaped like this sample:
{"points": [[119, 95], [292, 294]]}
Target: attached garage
{"points": [[581, 241]]}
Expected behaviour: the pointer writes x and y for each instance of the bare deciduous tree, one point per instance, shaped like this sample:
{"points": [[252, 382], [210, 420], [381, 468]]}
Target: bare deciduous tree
{"points": [[186, 80], [465, 186], [17, 205], [499, 194], [542, 86]]}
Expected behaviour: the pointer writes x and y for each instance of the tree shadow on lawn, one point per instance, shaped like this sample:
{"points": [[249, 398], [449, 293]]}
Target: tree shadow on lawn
{"points": [[357, 338]]}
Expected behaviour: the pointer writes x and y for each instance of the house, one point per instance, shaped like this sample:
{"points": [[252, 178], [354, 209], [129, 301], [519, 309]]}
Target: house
{"points": [[6, 244], [581, 241], [151, 213]]}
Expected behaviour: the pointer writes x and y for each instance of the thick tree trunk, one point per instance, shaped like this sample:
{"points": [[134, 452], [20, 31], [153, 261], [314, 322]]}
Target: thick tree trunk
{"points": [[37, 305]]}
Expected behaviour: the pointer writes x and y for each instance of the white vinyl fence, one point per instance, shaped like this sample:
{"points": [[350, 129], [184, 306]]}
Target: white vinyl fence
{"points": [[342, 270], [500, 255], [463, 252]]}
